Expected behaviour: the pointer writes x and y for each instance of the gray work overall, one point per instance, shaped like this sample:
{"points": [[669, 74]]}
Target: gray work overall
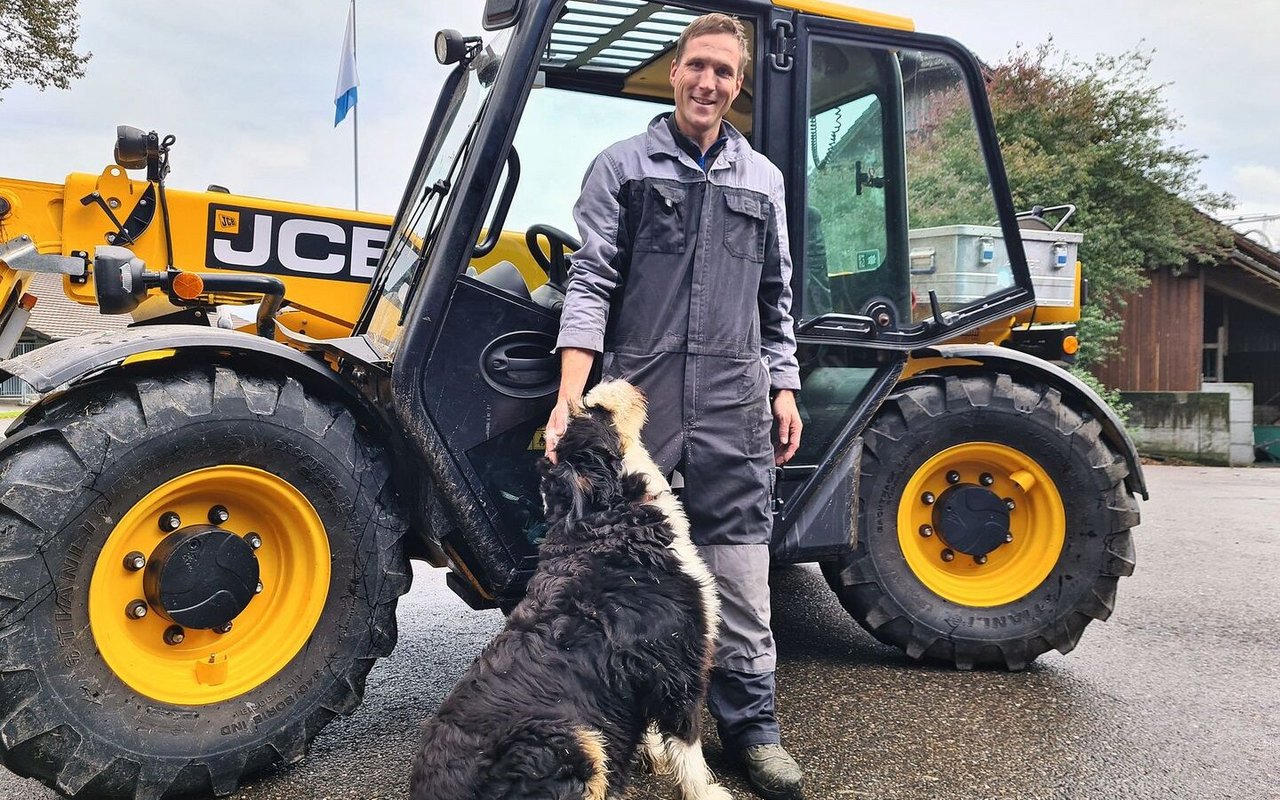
{"points": [[683, 283]]}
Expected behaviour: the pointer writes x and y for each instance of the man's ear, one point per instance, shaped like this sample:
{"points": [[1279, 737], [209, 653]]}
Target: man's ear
{"points": [[671, 76]]}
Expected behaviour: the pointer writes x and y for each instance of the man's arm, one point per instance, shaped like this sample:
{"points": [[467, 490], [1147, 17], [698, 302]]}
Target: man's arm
{"points": [[592, 279], [575, 366], [777, 332]]}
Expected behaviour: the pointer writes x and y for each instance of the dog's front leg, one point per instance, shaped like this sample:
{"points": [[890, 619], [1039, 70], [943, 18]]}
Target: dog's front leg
{"points": [[682, 762]]}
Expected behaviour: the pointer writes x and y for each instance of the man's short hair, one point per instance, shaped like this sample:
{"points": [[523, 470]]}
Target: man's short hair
{"points": [[716, 23]]}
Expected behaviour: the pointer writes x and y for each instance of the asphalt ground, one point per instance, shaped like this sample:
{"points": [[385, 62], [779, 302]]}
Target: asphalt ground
{"points": [[1177, 696]]}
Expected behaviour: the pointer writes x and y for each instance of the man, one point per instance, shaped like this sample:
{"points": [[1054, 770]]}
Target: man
{"points": [[683, 284]]}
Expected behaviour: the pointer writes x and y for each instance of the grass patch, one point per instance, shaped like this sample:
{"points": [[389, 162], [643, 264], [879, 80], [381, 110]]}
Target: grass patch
{"points": [[10, 413]]}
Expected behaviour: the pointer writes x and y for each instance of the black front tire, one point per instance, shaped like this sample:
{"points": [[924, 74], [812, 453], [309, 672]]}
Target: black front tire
{"points": [[72, 471], [880, 589]]}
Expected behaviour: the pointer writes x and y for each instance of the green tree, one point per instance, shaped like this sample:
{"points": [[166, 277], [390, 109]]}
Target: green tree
{"points": [[1094, 134], [37, 43]]}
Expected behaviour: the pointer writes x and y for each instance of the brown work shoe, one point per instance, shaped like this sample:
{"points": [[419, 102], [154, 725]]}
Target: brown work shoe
{"points": [[772, 772]]}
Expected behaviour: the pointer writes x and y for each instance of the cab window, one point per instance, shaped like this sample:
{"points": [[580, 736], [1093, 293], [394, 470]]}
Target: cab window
{"points": [[897, 200]]}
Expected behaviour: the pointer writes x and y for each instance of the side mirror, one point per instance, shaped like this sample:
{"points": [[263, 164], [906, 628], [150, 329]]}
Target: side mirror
{"points": [[499, 14]]}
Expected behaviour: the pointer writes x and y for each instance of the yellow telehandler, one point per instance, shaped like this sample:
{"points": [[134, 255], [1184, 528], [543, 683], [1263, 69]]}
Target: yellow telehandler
{"points": [[208, 529]]}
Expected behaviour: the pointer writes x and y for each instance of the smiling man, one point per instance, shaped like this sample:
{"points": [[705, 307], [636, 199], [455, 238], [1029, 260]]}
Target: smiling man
{"points": [[683, 285]]}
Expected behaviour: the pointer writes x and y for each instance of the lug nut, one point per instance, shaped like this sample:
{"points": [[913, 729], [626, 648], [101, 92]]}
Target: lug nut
{"points": [[254, 540], [927, 498], [170, 522], [219, 515], [223, 628], [1008, 503], [135, 561], [926, 531], [948, 556], [953, 477], [986, 479], [979, 560], [136, 610], [1008, 537], [258, 589], [174, 635]]}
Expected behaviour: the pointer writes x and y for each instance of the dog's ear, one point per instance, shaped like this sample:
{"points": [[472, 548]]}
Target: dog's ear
{"points": [[558, 495]]}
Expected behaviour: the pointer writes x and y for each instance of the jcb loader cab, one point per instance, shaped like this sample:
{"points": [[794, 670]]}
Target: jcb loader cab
{"points": [[208, 531]]}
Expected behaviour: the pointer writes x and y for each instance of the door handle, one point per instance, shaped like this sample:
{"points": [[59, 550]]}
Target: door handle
{"points": [[522, 370], [521, 364]]}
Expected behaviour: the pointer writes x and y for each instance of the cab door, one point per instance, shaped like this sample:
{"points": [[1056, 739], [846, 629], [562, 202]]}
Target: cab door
{"points": [[909, 233], [902, 235]]}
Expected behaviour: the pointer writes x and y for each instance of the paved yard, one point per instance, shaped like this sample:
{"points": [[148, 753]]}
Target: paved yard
{"points": [[1177, 696]]}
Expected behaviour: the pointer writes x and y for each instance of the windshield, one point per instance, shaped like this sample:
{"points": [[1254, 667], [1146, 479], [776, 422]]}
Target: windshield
{"points": [[440, 161]]}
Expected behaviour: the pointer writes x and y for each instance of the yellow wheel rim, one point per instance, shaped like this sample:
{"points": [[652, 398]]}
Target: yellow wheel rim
{"points": [[1037, 525], [208, 667]]}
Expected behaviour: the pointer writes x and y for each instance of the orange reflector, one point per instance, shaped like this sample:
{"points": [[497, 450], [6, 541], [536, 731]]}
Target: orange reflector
{"points": [[1070, 345], [188, 285], [28, 301]]}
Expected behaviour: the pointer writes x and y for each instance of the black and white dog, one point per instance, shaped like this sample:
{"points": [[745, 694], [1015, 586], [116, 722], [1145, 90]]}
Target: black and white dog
{"points": [[607, 656]]}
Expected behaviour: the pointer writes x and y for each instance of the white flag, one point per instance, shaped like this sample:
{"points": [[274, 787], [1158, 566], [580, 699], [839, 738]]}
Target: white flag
{"points": [[344, 97]]}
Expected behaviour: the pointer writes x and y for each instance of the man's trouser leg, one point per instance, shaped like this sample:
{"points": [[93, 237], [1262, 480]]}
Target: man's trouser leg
{"points": [[741, 695]]}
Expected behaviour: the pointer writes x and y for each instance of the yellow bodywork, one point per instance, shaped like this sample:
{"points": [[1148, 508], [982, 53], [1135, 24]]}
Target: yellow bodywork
{"points": [[321, 306]]}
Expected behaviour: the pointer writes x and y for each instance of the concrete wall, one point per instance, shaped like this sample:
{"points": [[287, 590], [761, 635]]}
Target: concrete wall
{"points": [[1241, 419], [1213, 426]]}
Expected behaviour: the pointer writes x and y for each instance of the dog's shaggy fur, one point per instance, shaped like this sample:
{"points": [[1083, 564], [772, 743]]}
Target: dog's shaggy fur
{"points": [[608, 653]]}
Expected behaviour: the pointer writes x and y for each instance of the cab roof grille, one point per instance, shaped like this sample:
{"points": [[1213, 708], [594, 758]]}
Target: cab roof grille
{"points": [[617, 36]]}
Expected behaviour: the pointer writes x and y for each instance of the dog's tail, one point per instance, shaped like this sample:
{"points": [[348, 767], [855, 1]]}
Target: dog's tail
{"points": [[549, 758]]}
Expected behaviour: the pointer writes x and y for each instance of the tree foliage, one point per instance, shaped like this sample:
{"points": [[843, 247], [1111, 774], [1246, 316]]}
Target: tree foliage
{"points": [[37, 43], [1094, 134]]}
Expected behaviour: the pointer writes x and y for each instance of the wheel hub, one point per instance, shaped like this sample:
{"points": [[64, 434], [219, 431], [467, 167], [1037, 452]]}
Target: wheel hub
{"points": [[971, 519], [201, 577]]}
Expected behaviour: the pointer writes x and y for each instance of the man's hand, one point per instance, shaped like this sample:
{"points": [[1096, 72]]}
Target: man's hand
{"points": [[556, 424], [787, 417], [575, 367]]}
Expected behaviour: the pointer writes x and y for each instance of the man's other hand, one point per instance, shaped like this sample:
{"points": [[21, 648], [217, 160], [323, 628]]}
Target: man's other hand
{"points": [[787, 420]]}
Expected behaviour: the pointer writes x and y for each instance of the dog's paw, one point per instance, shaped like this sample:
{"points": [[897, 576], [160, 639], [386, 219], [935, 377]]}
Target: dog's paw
{"points": [[713, 791]]}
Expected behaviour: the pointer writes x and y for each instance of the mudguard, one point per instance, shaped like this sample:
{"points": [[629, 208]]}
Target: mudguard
{"points": [[1018, 363], [72, 360]]}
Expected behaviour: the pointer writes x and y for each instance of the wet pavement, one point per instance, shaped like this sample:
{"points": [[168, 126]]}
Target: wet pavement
{"points": [[1177, 696]]}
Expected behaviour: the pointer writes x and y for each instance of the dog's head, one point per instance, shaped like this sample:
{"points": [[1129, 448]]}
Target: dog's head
{"points": [[588, 473], [626, 406]]}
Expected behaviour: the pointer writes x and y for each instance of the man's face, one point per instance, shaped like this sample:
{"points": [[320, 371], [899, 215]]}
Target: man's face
{"points": [[706, 80]]}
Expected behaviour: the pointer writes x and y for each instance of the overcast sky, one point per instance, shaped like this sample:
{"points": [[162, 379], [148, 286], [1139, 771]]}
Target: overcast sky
{"points": [[247, 86]]}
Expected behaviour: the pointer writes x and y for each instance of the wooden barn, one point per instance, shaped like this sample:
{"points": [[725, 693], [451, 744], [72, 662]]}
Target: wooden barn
{"points": [[1201, 326]]}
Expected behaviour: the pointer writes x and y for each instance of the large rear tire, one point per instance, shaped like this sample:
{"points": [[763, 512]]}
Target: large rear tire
{"points": [[994, 523], [102, 692]]}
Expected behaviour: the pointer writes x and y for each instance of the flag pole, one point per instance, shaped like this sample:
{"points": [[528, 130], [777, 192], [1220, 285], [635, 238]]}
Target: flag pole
{"points": [[355, 122]]}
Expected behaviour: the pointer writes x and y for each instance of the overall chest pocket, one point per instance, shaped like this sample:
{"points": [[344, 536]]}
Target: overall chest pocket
{"points": [[663, 221], [744, 226]]}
